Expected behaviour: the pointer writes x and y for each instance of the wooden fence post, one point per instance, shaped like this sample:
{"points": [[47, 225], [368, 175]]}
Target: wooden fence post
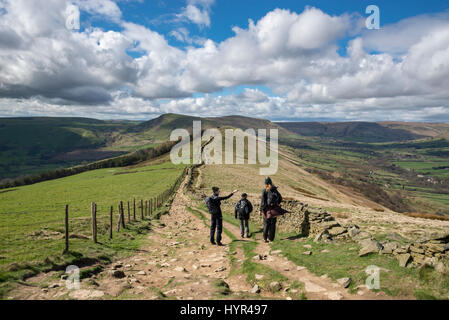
{"points": [[129, 213], [94, 222], [119, 219], [110, 230], [141, 208], [122, 213], [66, 249], [151, 207], [146, 208], [134, 210]]}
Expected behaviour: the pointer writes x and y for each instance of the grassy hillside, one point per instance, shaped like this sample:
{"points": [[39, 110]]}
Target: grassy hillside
{"points": [[31, 217], [30, 145], [350, 131]]}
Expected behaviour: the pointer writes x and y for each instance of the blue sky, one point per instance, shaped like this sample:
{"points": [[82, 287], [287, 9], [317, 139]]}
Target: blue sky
{"points": [[228, 13], [296, 60]]}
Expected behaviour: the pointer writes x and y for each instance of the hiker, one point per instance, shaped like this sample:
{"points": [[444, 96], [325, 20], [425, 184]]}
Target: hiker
{"points": [[243, 209], [214, 206], [270, 208]]}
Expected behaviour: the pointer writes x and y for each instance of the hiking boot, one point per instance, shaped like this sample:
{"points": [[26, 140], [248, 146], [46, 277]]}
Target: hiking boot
{"points": [[266, 241], [243, 236], [212, 242], [220, 244]]}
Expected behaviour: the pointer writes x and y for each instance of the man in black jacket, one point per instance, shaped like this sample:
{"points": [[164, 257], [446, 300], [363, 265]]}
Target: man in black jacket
{"points": [[243, 209], [214, 205]]}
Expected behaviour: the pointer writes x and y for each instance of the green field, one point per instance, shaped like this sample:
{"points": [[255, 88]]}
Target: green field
{"points": [[31, 217], [436, 169]]}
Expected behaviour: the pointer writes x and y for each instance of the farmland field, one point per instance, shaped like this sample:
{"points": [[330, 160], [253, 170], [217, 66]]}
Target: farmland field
{"points": [[31, 217]]}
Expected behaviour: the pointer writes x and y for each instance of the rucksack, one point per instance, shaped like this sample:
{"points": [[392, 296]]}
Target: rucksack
{"points": [[209, 204], [273, 198], [243, 208]]}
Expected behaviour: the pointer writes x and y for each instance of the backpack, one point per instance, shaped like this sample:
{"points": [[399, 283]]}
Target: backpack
{"points": [[243, 208], [273, 197], [210, 206]]}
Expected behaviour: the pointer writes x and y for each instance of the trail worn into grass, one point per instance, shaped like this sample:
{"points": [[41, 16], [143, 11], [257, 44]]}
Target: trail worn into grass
{"points": [[177, 262]]}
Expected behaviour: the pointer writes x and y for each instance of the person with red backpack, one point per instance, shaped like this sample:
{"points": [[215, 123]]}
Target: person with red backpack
{"points": [[243, 209], [270, 208]]}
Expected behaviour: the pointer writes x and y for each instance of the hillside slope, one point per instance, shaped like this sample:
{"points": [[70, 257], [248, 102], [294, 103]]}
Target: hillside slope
{"points": [[351, 131]]}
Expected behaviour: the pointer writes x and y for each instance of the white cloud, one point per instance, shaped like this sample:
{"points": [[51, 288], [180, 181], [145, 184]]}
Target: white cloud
{"points": [[48, 69], [198, 12]]}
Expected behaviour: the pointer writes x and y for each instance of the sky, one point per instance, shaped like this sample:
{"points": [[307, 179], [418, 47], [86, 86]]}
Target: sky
{"points": [[284, 60]]}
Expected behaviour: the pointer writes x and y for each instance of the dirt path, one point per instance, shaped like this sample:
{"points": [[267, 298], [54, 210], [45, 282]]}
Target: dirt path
{"points": [[177, 262]]}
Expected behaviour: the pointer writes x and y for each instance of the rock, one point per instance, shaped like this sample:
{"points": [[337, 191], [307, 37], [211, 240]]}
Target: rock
{"points": [[361, 236], [390, 247], [325, 251], [119, 274], [118, 266], [312, 287], [345, 282], [441, 268], [165, 265], [275, 286], [299, 268], [369, 246], [336, 231], [205, 265], [353, 231], [194, 267], [64, 277], [259, 276], [221, 269], [53, 286], [289, 298], [180, 269], [307, 246], [333, 295], [141, 273], [276, 252], [307, 253], [83, 294], [404, 259], [255, 289]]}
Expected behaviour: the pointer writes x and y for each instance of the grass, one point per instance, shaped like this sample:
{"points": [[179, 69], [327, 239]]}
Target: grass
{"points": [[342, 262], [31, 219]]}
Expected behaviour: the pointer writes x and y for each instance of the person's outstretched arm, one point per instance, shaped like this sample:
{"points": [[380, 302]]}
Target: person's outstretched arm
{"points": [[228, 196]]}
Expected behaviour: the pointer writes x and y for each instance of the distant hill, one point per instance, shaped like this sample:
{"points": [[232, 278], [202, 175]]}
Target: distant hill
{"points": [[351, 131], [36, 144], [161, 127]]}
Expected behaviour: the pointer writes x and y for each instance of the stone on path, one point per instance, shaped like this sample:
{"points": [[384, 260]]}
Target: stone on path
{"points": [[345, 282], [118, 274], [255, 289], [307, 253], [334, 295], [259, 276], [83, 294], [275, 286], [313, 288]]}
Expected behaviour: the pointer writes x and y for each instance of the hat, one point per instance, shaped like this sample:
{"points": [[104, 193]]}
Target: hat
{"points": [[268, 181]]}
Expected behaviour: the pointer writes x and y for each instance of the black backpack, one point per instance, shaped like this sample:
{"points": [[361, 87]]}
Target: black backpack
{"points": [[243, 208], [211, 206], [273, 198]]}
